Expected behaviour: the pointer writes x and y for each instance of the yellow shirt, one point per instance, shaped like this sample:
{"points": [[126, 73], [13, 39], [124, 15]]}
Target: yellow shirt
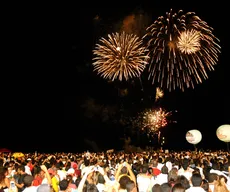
{"points": [[55, 183]]}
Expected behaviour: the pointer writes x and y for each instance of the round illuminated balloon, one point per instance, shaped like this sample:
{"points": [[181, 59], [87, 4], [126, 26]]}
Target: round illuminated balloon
{"points": [[223, 133], [193, 136]]}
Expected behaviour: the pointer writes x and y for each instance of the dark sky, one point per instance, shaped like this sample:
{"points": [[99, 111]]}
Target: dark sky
{"points": [[62, 105], [204, 108]]}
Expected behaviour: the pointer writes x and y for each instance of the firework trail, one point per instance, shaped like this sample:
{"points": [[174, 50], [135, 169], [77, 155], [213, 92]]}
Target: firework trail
{"points": [[182, 49]]}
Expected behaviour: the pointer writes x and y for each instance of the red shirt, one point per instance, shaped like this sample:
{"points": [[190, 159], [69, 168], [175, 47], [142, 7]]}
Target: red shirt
{"points": [[156, 171], [37, 181]]}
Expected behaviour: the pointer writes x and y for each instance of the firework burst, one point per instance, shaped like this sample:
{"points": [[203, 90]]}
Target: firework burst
{"points": [[121, 56], [159, 93], [182, 49], [151, 120], [189, 41]]}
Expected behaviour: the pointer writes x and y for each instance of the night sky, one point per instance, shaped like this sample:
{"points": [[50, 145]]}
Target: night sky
{"points": [[57, 100]]}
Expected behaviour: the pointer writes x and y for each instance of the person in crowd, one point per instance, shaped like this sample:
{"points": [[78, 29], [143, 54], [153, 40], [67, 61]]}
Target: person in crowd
{"points": [[220, 185], [178, 187], [205, 185], [28, 184], [166, 187], [143, 179], [4, 180], [156, 188], [131, 186], [212, 179], [184, 181], [20, 181], [196, 181]]}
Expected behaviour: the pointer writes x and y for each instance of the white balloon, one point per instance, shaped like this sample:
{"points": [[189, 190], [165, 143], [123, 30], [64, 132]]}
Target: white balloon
{"points": [[193, 136], [223, 133]]}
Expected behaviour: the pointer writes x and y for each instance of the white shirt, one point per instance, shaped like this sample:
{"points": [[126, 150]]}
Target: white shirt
{"points": [[27, 170], [30, 189], [143, 182], [161, 178], [195, 189]]}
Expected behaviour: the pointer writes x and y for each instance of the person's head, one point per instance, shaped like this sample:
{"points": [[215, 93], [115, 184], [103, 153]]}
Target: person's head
{"points": [[40, 172], [166, 187], [123, 181], [205, 185], [196, 170], [154, 163], [44, 188], [90, 188], [124, 170], [131, 186], [212, 177], [69, 178], [215, 165], [144, 168], [63, 184], [156, 188], [172, 175], [100, 179], [185, 163], [21, 169], [223, 178], [178, 187], [184, 181], [28, 180], [164, 169], [196, 180]]}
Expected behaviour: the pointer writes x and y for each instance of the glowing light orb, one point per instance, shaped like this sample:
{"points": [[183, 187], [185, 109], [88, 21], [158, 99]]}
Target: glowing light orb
{"points": [[193, 136], [223, 133]]}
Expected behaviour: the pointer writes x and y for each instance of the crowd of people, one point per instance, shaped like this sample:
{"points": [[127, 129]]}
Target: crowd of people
{"points": [[111, 171]]}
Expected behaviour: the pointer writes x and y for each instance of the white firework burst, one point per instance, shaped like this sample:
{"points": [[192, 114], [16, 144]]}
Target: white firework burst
{"points": [[189, 41]]}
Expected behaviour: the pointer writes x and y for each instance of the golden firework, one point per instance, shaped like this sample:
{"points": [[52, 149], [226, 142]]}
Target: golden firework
{"points": [[182, 48], [159, 93], [189, 41], [154, 119], [121, 56]]}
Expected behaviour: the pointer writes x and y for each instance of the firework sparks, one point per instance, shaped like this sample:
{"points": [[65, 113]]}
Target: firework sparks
{"points": [[121, 56], [189, 41], [182, 49], [154, 119], [159, 93]]}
